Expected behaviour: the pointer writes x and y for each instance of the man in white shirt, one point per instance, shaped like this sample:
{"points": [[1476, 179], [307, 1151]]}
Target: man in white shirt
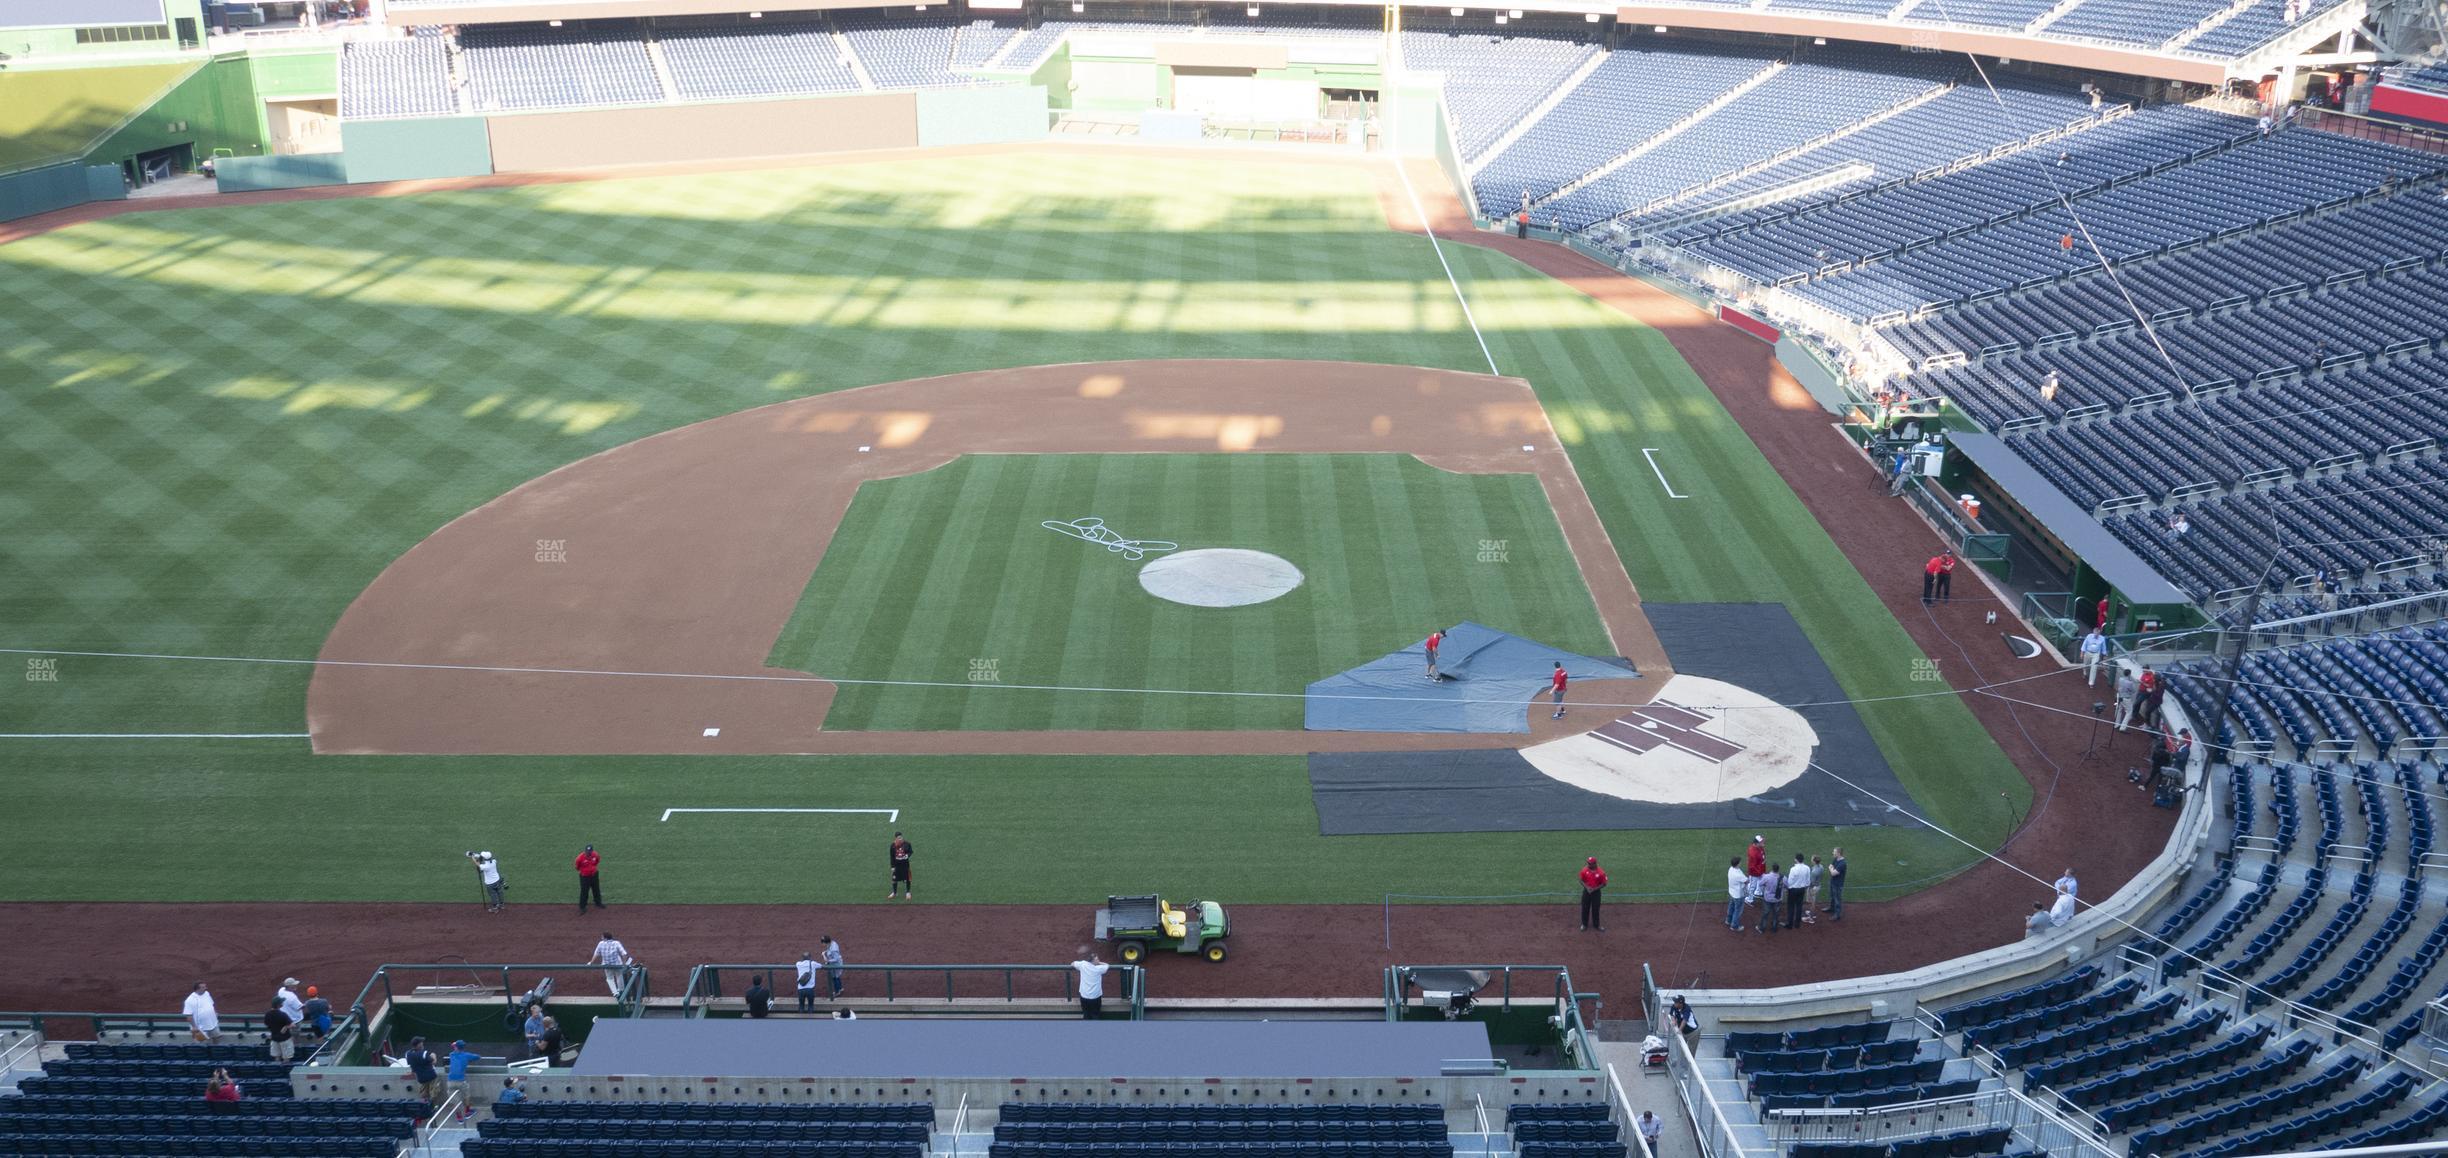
{"points": [[1652, 1128], [203, 1020], [1091, 983], [1736, 885], [614, 956], [807, 983], [2094, 652], [2063, 910], [1797, 889], [290, 1002], [489, 871]]}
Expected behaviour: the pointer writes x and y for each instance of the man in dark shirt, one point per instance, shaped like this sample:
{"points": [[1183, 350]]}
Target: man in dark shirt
{"points": [[900, 885], [759, 998], [426, 1068]]}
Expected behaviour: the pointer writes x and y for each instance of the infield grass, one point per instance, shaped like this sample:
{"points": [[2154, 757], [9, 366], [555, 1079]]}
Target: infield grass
{"points": [[218, 425], [949, 577]]}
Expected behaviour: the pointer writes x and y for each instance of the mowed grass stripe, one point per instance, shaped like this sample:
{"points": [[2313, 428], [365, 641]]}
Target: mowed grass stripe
{"points": [[1388, 545]]}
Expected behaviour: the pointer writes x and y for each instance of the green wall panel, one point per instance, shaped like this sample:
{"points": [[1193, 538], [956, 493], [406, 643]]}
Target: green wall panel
{"points": [[301, 171], [57, 187], [296, 74], [413, 149], [52, 115], [214, 108], [977, 116]]}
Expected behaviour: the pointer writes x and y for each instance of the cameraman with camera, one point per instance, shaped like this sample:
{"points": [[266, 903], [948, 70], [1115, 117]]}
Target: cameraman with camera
{"points": [[489, 872]]}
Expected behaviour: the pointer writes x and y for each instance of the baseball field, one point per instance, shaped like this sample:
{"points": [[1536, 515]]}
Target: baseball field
{"points": [[219, 426]]}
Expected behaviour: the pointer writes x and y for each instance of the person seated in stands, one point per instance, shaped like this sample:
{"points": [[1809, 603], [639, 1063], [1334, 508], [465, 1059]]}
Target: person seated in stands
{"points": [[512, 1093], [221, 1092]]}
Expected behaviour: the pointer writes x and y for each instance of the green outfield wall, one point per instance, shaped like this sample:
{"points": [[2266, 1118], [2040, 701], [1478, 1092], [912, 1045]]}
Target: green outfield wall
{"points": [[42, 190], [299, 171], [412, 150], [980, 116]]}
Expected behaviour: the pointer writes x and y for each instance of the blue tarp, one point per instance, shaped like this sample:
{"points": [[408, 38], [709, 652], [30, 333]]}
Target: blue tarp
{"points": [[1490, 678]]}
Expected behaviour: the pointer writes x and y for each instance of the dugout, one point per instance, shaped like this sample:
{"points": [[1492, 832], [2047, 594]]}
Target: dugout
{"points": [[2097, 565]]}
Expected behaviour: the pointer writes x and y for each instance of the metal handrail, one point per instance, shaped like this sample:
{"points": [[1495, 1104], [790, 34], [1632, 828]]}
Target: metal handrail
{"points": [[1479, 1107], [1623, 1105], [705, 981], [438, 1120], [960, 1123]]}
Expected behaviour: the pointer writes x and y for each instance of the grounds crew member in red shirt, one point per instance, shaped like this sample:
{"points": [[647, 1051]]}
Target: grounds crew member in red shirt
{"points": [[1435, 640], [1593, 882], [590, 884], [1556, 688]]}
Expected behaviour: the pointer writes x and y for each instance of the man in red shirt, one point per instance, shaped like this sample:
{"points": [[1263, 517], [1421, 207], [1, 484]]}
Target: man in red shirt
{"points": [[1435, 639], [1755, 861], [1593, 882], [1555, 686], [590, 884], [1929, 579], [1946, 576]]}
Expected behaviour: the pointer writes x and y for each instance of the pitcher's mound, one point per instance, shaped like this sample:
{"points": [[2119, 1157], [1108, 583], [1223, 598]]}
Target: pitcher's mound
{"points": [[1219, 577]]}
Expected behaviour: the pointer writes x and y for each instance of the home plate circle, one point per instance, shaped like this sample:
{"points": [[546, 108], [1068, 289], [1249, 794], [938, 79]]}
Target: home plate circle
{"points": [[1219, 577]]}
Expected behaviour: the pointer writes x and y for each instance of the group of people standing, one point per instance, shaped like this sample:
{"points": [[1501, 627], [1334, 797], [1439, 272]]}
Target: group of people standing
{"points": [[1765, 898]]}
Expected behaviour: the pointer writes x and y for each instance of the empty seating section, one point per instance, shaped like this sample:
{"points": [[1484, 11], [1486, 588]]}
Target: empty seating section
{"points": [[686, 1129], [1823, 1037], [395, 78], [534, 66], [1824, 90], [2139, 23], [1962, 123], [2344, 522], [1978, 13], [1637, 92], [767, 57], [2181, 1134], [1990, 1009], [1241, 1130], [2350, 697], [907, 49], [2250, 181], [2255, 26], [1032, 47], [1491, 82], [1564, 1130], [148, 1099]]}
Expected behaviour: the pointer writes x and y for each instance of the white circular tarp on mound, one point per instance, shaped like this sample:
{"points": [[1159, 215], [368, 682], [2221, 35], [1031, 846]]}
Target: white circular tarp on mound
{"points": [[1219, 577]]}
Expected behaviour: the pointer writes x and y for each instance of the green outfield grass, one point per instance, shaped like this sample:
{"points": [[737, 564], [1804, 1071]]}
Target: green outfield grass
{"points": [[932, 573], [216, 426]]}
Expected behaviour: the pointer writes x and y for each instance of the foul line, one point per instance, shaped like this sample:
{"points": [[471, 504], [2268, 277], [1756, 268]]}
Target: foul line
{"points": [[1422, 213], [1650, 453], [891, 814], [276, 661], [155, 736]]}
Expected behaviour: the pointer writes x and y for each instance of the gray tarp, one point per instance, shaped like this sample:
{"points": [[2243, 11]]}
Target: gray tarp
{"points": [[1490, 678]]}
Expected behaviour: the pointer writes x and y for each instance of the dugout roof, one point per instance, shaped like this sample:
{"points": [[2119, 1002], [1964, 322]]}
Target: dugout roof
{"points": [[820, 1047]]}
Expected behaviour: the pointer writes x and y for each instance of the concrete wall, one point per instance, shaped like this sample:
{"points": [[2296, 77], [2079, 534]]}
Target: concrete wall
{"points": [[300, 171], [57, 187], [600, 138], [978, 116], [411, 150]]}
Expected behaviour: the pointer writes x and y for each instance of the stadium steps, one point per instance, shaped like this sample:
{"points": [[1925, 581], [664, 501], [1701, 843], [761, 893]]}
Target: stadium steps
{"points": [[858, 68], [2207, 23], [2063, 9], [1547, 104], [1666, 134], [457, 63], [662, 68]]}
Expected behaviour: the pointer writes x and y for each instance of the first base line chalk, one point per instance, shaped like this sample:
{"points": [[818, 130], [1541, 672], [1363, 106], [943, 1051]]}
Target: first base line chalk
{"points": [[890, 814]]}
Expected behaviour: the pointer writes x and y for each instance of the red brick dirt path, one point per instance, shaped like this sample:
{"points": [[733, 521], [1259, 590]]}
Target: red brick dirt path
{"points": [[139, 956]]}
